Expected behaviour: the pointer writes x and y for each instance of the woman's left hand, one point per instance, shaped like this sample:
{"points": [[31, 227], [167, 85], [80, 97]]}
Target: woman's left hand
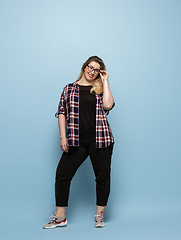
{"points": [[104, 75]]}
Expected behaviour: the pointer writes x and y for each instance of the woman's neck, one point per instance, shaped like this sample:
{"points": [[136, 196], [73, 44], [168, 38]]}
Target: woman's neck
{"points": [[83, 81]]}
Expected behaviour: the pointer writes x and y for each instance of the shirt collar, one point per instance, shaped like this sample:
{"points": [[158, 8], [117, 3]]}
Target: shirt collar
{"points": [[75, 83]]}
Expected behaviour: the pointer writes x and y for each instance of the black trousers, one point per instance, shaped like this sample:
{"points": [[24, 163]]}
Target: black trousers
{"points": [[71, 161]]}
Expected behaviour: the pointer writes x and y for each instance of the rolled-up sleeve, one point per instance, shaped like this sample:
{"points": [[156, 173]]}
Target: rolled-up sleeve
{"points": [[61, 105]]}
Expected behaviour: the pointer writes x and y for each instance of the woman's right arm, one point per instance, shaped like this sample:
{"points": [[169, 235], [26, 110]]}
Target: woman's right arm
{"points": [[62, 129]]}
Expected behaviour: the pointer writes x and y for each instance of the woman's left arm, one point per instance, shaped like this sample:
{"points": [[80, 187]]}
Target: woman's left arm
{"points": [[108, 99]]}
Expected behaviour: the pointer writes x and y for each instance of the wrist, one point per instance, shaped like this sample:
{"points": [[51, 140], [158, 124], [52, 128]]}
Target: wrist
{"points": [[105, 82], [62, 137]]}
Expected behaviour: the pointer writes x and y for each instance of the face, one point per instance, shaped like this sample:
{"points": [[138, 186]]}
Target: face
{"points": [[91, 71]]}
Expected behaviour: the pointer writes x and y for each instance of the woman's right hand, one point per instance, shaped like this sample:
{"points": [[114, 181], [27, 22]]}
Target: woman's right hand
{"points": [[63, 145]]}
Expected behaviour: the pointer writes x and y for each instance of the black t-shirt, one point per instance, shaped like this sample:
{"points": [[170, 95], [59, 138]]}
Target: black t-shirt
{"points": [[87, 110]]}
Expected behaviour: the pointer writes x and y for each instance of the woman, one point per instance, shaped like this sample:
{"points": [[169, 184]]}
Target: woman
{"points": [[84, 131]]}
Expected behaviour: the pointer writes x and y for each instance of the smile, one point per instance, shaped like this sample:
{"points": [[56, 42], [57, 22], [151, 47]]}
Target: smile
{"points": [[90, 76]]}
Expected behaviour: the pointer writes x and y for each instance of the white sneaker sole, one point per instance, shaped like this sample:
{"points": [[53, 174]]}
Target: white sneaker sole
{"points": [[99, 225], [56, 225]]}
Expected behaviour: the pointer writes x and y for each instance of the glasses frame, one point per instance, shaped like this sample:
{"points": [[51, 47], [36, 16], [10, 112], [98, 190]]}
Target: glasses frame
{"points": [[96, 71]]}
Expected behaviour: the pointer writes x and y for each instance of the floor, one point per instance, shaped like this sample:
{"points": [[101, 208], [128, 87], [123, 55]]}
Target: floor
{"points": [[25, 226]]}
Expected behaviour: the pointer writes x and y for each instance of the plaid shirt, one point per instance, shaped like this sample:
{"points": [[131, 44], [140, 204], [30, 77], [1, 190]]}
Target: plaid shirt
{"points": [[69, 106]]}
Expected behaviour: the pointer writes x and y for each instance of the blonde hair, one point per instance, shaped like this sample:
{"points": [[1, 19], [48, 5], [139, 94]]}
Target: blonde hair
{"points": [[97, 85]]}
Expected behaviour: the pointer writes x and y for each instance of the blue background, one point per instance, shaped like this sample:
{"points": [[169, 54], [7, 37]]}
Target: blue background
{"points": [[43, 45]]}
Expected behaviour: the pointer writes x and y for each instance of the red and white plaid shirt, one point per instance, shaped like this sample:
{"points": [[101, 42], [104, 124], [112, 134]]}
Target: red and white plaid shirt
{"points": [[69, 106]]}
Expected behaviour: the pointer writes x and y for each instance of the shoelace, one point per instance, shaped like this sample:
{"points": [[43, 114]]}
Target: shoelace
{"points": [[99, 217], [54, 218]]}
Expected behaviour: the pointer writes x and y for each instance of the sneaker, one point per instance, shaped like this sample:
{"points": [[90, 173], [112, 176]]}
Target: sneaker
{"points": [[56, 222], [99, 222]]}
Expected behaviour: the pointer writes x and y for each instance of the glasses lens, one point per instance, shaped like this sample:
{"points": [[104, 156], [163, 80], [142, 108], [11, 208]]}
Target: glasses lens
{"points": [[90, 68]]}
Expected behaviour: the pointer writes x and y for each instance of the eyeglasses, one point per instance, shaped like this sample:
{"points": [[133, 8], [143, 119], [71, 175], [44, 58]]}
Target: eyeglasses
{"points": [[91, 68]]}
